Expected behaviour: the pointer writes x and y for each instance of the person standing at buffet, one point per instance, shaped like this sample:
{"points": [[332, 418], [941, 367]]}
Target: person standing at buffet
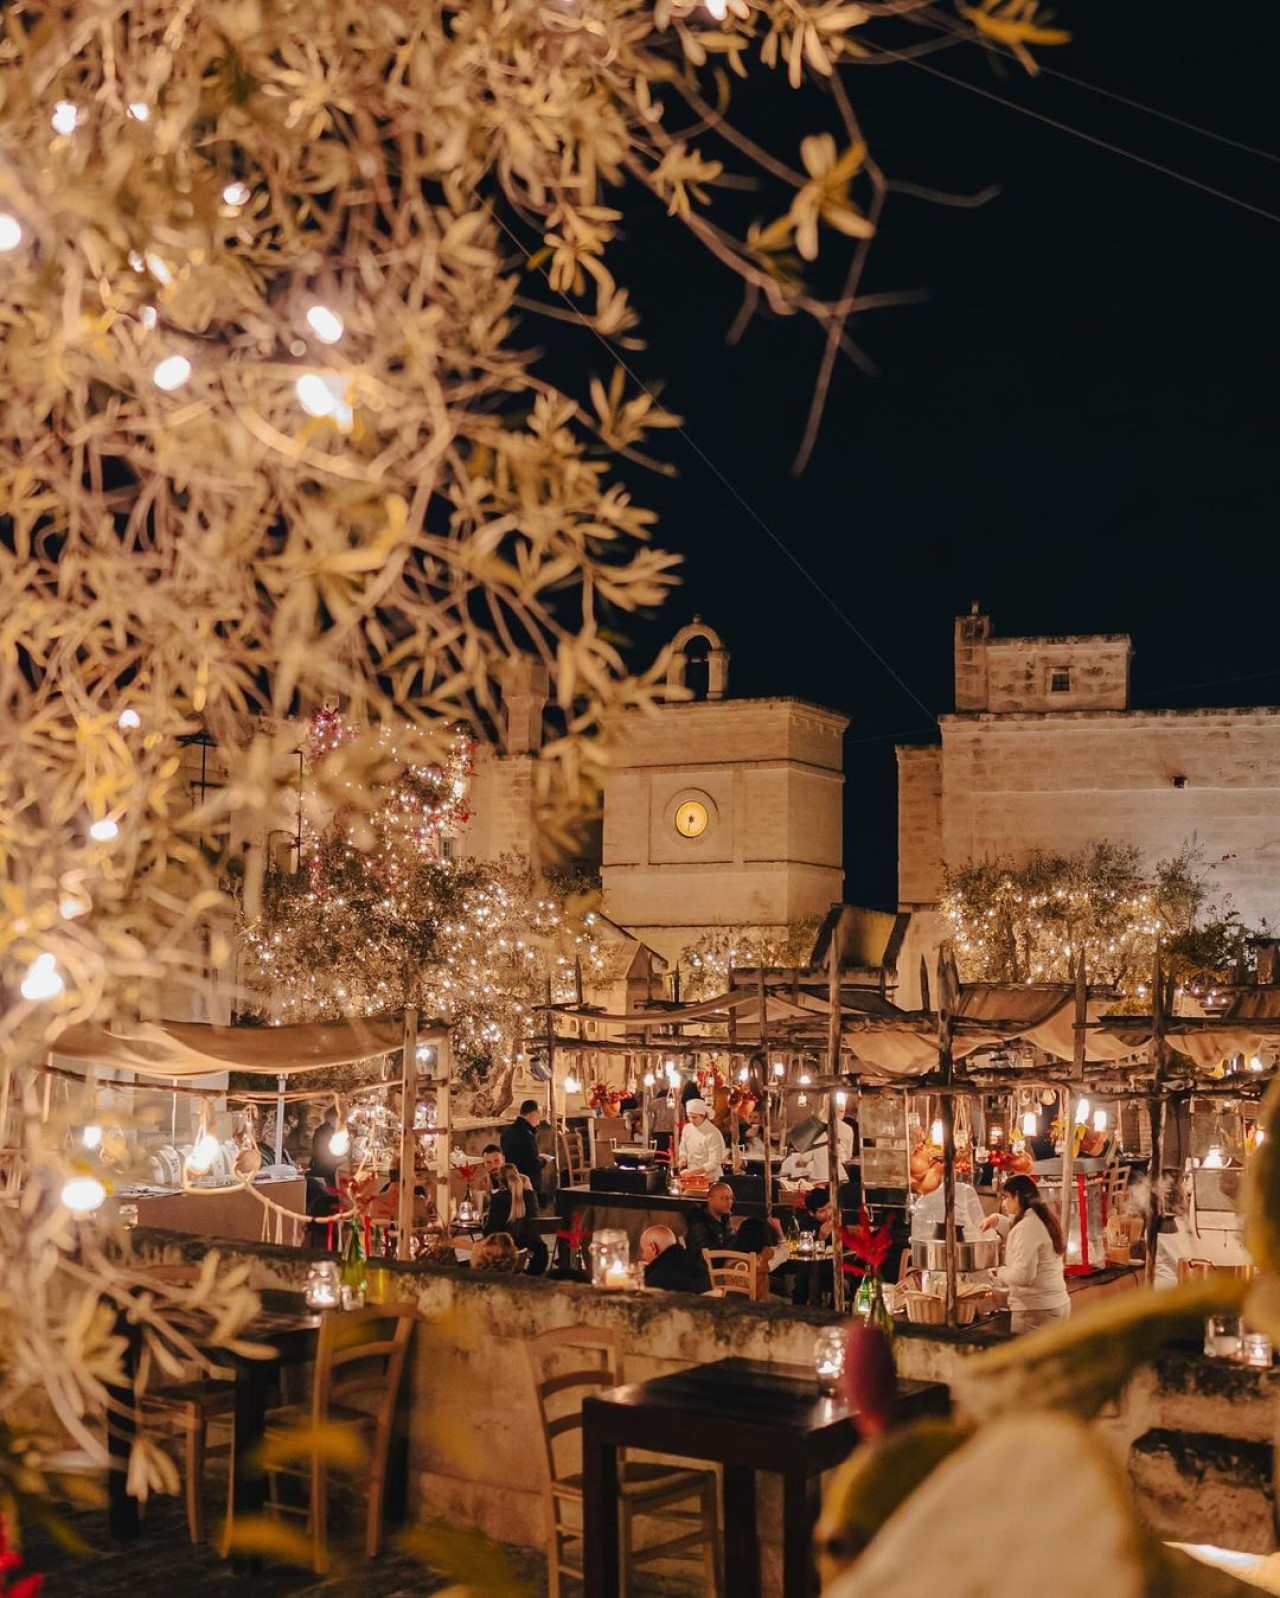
{"points": [[1033, 1256], [702, 1149]]}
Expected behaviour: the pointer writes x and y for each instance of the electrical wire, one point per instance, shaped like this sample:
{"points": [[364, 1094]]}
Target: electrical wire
{"points": [[1087, 138]]}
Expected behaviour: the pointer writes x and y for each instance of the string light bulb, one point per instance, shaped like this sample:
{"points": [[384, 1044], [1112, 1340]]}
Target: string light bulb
{"points": [[1082, 1113], [82, 1194], [327, 325], [129, 721], [648, 1079], [104, 830], [1099, 1120], [935, 1134], [340, 1142], [10, 232], [65, 117], [1029, 1124], [139, 110], [779, 1069], [43, 980], [236, 194], [91, 1137], [171, 373], [571, 1084], [322, 397]]}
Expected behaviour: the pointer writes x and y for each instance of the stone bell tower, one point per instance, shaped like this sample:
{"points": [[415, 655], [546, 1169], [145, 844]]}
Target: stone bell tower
{"points": [[721, 811]]}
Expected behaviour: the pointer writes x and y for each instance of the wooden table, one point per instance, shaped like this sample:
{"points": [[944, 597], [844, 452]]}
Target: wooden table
{"points": [[291, 1330], [744, 1415]]}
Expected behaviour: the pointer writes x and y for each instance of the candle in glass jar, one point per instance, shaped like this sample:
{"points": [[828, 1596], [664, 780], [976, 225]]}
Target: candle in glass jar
{"points": [[617, 1276], [1255, 1350]]}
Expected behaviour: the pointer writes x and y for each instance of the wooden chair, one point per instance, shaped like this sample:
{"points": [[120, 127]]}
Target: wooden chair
{"points": [[359, 1366], [647, 1489], [187, 1410], [573, 1157], [733, 1273]]}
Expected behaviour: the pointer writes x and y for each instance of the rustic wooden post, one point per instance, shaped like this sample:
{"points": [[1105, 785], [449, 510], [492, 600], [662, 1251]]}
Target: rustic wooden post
{"points": [[1155, 1109], [552, 1102], [766, 1124], [444, 1127], [948, 999], [408, 1142], [1079, 1037], [834, 1023]]}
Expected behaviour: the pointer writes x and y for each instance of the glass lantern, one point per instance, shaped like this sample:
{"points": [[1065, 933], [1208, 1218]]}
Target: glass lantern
{"points": [[324, 1286], [611, 1259], [828, 1358]]}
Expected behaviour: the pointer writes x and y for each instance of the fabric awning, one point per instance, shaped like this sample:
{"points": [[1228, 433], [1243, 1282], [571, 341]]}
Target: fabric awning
{"points": [[176, 1049]]}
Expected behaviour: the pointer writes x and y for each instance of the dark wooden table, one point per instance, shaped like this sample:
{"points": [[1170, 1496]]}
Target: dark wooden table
{"points": [[291, 1331], [744, 1415]]}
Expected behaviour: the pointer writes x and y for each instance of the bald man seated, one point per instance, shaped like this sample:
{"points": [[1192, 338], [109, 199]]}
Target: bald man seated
{"points": [[667, 1263]]}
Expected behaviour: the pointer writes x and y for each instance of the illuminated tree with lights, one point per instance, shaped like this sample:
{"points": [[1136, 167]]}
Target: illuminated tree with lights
{"points": [[1033, 922]]}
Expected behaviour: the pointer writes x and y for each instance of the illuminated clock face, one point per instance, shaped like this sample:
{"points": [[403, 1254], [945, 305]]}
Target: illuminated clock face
{"points": [[691, 819]]}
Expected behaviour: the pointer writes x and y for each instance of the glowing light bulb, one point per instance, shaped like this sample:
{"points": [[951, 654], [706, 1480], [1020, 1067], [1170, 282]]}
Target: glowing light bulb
{"points": [[236, 194], [64, 118], [718, 10], [648, 1079], [1099, 1120], [327, 325], [322, 396], [129, 720], [91, 1137], [147, 316], [1255, 1064], [935, 1134], [1029, 1124], [804, 1079], [1259, 1137], [744, 1075], [203, 1154], [171, 373], [571, 1083], [340, 1143], [72, 905], [1082, 1113], [43, 980], [83, 1194], [103, 830], [1214, 1159], [841, 1100], [139, 110], [779, 1069], [10, 232], [157, 266]]}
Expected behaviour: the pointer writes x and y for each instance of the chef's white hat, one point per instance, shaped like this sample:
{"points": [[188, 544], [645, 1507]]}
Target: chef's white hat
{"points": [[697, 1107]]}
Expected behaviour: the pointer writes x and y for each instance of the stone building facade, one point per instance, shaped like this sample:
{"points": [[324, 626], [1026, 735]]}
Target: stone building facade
{"points": [[722, 812], [1044, 752]]}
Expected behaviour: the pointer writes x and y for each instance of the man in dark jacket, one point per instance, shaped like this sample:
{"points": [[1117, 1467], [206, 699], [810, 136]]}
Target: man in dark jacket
{"points": [[520, 1144], [667, 1263], [709, 1226]]}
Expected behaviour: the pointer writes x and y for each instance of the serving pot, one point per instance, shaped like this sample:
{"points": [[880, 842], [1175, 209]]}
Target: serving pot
{"points": [[983, 1255]]}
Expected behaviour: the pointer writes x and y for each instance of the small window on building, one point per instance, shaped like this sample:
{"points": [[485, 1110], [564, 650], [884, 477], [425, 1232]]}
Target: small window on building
{"points": [[448, 847], [1060, 680]]}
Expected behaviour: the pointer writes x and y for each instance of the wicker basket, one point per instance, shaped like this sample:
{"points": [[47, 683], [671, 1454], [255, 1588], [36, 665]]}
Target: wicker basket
{"points": [[926, 1309]]}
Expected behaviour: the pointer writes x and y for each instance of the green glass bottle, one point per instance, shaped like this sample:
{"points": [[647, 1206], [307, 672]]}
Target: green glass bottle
{"points": [[353, 1258]]}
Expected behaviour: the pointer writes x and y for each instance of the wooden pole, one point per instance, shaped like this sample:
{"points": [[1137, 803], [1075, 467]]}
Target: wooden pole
{"points": [[1155, 1109], [408, 1142], [765, 1091], [948, 999], [444, 1129], [833, 1120], [1079, 1037], [552, 1102]]}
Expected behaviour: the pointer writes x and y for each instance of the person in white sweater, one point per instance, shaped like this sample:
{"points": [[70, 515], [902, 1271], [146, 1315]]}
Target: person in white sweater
{"points": [[1033, 1256]]}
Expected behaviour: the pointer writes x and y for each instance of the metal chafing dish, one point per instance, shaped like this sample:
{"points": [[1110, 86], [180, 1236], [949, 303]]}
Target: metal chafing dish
{"points": [[983, 1255]]}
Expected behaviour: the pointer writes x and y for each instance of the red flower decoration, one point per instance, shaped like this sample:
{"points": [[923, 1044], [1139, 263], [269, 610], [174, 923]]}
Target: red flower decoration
{"points": [[467, 1173], [869, 1379], [576, 1236], [29, 1586], [869, 1248]]}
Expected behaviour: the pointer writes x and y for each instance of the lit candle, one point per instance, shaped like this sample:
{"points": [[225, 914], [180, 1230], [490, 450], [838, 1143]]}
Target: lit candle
{"points": [[617, 1276]]}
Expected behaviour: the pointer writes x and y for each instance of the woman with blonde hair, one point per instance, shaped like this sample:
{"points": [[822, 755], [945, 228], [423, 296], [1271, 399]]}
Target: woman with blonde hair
{"points": [[496, 1252], [513, 1209]]}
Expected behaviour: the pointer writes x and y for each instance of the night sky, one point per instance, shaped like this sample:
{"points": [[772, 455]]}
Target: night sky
{"points": [[1076, 427]]}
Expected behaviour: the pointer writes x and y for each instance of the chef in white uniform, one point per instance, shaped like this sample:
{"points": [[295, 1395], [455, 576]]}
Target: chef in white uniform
{"points": [[701, 1146], [931, 1209], [813, 1165]]}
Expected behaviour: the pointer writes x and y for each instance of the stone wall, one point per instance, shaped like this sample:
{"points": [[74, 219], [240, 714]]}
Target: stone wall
{"points": [[1018, 674], [1192, 1433]]}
